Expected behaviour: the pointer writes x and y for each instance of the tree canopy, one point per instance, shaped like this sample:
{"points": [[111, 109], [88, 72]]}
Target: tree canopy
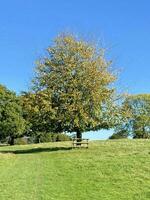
{"points": [[75, 79], [138, 124], [12, 123], [37, 112]]}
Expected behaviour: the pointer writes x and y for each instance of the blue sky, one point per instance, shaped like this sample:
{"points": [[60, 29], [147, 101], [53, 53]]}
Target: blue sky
{"points": [[27, 27]]}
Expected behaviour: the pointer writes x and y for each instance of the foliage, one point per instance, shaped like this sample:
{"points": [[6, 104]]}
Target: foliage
{"points": [[44, 137], [21, 141], [122, 134], [12, 123], [36, 112], [53, 137], [62, 137], [138, 124], [73, 82]]}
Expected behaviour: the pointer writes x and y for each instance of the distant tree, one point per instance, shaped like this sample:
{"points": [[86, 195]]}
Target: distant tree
{"points": [[12, 124], [138, 124], [122, 134], [75, 80]]}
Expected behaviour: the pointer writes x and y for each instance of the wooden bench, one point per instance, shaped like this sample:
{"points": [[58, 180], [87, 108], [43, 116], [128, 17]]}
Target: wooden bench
{"points": [[78, 142]]}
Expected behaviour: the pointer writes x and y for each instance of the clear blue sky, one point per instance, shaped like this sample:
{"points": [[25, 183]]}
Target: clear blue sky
{"points": [[28, 26]]}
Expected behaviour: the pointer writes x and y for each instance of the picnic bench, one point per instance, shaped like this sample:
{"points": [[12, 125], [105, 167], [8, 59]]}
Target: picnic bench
{"points": [[78, 142]]}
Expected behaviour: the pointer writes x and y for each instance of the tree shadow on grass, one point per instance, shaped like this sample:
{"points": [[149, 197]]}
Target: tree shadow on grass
{"points": [[36, 150]]}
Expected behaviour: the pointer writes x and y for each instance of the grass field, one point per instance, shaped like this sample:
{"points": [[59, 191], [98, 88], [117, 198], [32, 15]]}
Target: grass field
{"points": [[108, 170]]}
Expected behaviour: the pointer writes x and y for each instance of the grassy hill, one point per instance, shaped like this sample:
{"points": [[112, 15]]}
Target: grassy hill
{"points": [[108, 170]]}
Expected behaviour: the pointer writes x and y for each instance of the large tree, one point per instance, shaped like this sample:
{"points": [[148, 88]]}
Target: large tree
{"points": [[76, 80], [12, 124]]}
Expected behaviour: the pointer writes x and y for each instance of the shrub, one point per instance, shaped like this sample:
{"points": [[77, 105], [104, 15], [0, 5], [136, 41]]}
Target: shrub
{"points": [[51, 137], [42, 137], [45, 137], [119, 135], [21, 141], [63, 137]]}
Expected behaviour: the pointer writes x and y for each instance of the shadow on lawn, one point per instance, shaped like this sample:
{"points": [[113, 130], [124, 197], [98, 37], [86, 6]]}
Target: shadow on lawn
{"points": [[35, 150]]}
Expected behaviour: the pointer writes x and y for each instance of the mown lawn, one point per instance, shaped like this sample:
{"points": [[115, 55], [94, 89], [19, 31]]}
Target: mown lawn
{"points": [[108, 170]]}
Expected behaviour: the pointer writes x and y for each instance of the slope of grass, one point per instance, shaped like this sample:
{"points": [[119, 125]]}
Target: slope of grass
{"points": [[108, 170]]}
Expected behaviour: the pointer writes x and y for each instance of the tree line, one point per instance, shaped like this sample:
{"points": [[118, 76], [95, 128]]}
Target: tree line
{"points": [[73, 91]]}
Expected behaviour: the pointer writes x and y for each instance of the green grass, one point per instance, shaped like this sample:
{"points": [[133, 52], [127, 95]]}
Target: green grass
{"points": [[108, 170]]}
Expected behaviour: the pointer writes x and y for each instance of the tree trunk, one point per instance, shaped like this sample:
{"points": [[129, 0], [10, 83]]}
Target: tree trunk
{"points": [[79, 136], [38, 139], [11, 140]]}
